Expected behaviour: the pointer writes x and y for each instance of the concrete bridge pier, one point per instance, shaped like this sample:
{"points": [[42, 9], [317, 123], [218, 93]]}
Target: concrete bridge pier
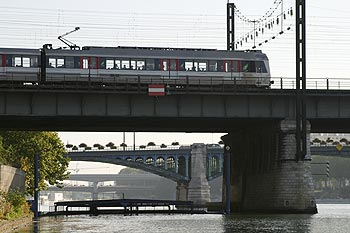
{"points": [[94, 194], [265, 176], [198, 188], [181, 191]]}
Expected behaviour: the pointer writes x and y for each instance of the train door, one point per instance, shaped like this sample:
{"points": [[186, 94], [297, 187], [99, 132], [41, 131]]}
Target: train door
{"points": [[174, 68], [89, 66]]}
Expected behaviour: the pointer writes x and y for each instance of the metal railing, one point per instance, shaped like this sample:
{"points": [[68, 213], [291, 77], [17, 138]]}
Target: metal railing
{"points": [[134, 83]]}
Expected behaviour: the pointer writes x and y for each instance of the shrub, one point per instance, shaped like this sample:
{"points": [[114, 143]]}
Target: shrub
{"points": [[13, 205]]}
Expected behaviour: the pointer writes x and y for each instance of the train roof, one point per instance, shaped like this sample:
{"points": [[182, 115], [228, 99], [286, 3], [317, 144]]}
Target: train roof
{"points": [[145, 52]]}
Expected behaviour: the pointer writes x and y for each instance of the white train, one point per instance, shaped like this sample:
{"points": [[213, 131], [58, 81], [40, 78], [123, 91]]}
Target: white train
{"points": [[135, 65]]}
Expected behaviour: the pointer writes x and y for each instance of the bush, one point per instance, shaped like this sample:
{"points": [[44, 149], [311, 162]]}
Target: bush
{"points": [[13, 205]]}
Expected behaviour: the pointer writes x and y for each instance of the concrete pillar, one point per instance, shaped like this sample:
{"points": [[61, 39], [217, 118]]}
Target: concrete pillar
{"points": [[264, 174], [186, 166], [198, 188], [94, 194], [11, 179], [181, 192]]}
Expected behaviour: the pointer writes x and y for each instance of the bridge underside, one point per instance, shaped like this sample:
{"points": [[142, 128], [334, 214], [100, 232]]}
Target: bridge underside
{"points": [[127, 124], [265, 176], [71, 110]]}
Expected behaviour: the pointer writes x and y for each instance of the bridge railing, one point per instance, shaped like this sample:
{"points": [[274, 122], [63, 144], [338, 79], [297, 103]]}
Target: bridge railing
{"points": [[129, 148], [172, 83]]}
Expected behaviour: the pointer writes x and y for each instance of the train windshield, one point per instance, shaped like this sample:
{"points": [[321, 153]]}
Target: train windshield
{"points": [[253, 67]]}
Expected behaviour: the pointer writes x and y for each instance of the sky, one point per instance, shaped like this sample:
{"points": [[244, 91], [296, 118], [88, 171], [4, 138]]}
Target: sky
{"points": [[181, 23]]}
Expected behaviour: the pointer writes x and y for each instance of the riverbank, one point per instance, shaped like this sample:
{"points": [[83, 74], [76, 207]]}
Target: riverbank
{"points": [[7, 226], [333, 201]]}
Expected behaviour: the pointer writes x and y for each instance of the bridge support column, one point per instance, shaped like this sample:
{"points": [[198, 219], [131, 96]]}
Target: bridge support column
{"points": [[94, 194], [198, 188], [181, 192], [265, 176]]}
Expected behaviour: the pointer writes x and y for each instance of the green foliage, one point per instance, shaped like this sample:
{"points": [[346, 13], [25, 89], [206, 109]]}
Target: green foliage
{"points": [[21, 148], [13, 205]]}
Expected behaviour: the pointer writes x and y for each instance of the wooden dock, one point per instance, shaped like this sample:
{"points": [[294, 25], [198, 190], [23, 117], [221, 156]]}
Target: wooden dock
{"points": [[124, 206]]}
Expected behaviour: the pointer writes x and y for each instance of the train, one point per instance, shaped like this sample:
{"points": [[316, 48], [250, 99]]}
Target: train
{"points": [[134, 65]]}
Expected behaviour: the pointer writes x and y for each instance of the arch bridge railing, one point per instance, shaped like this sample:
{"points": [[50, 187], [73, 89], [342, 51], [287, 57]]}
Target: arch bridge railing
{"points": [[171, 164]]}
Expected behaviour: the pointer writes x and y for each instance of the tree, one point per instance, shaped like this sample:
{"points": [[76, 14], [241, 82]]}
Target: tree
{"points": [[21, 148], [151, 144]]}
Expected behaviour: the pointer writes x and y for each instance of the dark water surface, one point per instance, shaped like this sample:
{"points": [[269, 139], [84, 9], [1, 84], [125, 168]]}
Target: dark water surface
{"points": [[331, 218]]}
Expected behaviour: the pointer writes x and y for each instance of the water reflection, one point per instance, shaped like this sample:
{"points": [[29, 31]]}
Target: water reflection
{"points": [[331, 218], [268, 223]]}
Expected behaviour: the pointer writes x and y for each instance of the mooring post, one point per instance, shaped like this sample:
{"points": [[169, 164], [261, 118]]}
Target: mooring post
{"points": [[36, 186], [228, 179]]}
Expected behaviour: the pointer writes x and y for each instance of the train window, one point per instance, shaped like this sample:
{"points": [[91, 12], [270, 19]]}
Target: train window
{"points": [[157, 65], [117, 64], [132, 65], [182, 65], [33, 61], [164, 65], [125, 64], [260, 67], [60, 63], [189, 65], [150, 64], [102, 63], [234, 66], [213, 66], [69, 62], [173, 64], [85, 63], [52, 62], [248, 66], [231, 66], [221, 66], [17, 61], [109, 64], [26, 62], [77, 62], [202, 66], [93, 63], [1, 60], [140, 65]]}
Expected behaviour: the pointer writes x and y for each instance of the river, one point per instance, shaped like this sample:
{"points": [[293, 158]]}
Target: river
{"points": [[333, 218]]}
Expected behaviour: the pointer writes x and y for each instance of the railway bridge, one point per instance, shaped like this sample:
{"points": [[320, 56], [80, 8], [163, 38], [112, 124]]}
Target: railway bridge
{"points": [[258, 122]]}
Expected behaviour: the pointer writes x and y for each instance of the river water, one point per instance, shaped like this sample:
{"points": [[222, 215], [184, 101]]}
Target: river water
{"points": [[331, 218]]}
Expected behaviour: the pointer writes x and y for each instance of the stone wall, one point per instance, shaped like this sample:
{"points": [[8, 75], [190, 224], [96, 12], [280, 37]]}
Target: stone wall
{"points": [[11, 178], [264, 174]]}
